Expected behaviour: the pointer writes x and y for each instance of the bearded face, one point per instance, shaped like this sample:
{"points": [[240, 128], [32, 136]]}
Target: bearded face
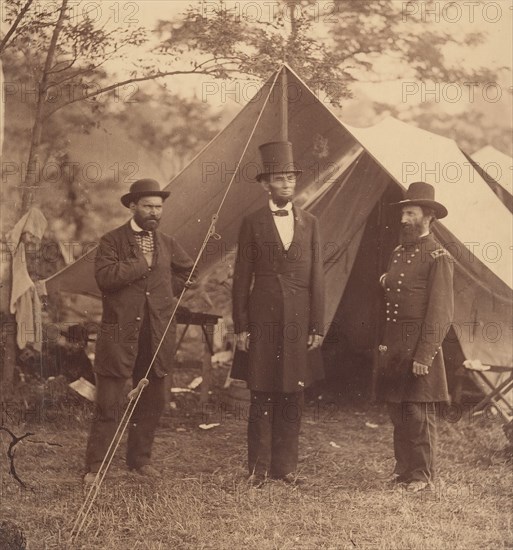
{"points": [[281, 187], [413, 224], [147, 212]]}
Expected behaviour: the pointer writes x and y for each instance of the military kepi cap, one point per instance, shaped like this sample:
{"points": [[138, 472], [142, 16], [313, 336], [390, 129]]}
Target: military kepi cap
{"points": [[143, 188], [277, 158], [421, 193]]}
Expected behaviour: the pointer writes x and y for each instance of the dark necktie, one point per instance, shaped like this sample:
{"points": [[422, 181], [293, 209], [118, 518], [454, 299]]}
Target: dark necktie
{"points": [[280, 212]]}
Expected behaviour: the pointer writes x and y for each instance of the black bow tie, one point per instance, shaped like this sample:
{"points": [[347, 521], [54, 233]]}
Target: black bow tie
{"points": [[142, 233], [280, 212]]}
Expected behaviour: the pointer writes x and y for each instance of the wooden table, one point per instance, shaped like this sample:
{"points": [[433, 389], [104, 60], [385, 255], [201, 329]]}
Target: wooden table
{"points": [[207, 322]]}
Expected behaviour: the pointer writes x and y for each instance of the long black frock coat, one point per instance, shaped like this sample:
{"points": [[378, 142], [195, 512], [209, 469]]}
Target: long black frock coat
{"points": [[278, 297], [130, 289]]}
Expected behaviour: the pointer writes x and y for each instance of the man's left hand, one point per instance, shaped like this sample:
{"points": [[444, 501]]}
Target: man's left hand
{"points": [[314, 341], [419, 369]]}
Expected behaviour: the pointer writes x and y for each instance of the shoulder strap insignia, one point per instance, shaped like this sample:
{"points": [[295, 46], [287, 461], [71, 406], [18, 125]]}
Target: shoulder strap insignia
{"points": [[397, 248], [440, 252]]}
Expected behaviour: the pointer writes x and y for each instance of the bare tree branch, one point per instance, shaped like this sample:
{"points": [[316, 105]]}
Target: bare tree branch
{"points": [[28, 196], [154, 76], [14, 26], [11, 451]]}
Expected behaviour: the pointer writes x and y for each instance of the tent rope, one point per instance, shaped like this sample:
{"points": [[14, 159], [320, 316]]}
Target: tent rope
{"points": [[136, 393]]}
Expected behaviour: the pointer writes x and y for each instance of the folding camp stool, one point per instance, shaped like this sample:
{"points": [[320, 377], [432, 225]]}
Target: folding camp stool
{"points": [[497, 395]]}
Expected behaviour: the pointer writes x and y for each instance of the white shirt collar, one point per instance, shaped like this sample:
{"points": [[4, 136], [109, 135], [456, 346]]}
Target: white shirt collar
{"points": [[135, 227], [274, 207]]}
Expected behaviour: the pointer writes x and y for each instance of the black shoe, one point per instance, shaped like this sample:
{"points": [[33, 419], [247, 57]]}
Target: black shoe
{"points": [[395, 479], [417, 486], [256, 480], [89, 478], [148, 471], [291, 479]]}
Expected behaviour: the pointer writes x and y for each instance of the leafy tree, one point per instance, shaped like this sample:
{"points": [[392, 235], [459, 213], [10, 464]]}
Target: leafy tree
{"points": [[66, 58], [330, 44], [63, 56], [164, 123]]}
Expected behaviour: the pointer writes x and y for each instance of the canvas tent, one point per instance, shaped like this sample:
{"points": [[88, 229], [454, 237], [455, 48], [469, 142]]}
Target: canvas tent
{"points": [[497, 164], [497, 170], [349, 177]]}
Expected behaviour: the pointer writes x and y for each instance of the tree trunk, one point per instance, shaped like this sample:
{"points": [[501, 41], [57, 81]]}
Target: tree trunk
{"points": [[7, 326], [31, 183]]}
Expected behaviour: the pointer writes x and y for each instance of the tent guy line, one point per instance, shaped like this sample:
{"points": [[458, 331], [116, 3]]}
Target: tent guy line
{"points": [[349, 209], [136, 393]]}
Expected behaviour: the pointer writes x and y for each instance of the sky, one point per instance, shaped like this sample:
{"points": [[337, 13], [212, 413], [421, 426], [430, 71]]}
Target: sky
{"points": [[493, 18]]}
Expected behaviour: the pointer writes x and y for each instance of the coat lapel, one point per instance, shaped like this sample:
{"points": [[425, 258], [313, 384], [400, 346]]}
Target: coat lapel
{"points": [[268, 228], [299, 226], [270, 233], [129, 238], [133, 247]]}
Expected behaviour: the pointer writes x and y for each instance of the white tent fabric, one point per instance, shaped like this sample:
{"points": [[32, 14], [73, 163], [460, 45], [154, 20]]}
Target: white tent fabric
{"points": [[348, 175], [480, 223], [497, 164]]}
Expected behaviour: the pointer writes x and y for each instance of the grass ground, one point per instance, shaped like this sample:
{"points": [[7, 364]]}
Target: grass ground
{"points": [[204, 502]]}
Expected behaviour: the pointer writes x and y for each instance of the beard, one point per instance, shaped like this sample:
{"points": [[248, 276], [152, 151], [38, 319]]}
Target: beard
{"points": [[280, 203], [410, 233], [148, 224]]}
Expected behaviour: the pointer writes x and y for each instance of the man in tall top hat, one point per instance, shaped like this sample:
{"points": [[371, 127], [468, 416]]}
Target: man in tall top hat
{"points": [[139, 270], [278, 308], [419, 308]]}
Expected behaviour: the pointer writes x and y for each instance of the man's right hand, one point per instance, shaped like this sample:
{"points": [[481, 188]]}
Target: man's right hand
{"points": [[243, 341]]}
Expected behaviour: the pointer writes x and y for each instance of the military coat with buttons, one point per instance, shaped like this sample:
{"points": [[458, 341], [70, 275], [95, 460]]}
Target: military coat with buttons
{"points": [[130, 289], [278, 297], [419, 309]]}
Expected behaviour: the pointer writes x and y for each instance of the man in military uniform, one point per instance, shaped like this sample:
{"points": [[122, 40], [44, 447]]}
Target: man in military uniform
{"points": [[278, 310], [419, 307]]}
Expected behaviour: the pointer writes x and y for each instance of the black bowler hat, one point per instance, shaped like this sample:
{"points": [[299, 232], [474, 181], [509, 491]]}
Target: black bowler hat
{"points": [[77, 334], [421, 193], [277, 158], [143, 188]]}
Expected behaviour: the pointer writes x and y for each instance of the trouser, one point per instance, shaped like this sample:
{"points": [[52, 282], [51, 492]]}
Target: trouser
{"points": [[111, 400], [414, 440], [273, 433]]}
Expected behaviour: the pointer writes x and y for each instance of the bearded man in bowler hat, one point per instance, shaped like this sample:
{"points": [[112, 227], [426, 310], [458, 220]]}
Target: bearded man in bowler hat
{"points": [[139, 270], [278, 310], [419, 309]]}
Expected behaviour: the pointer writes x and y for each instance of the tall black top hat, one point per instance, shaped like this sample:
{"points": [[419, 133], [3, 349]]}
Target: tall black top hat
{"points": [[143, 188], [277, 158], [420, 193]]}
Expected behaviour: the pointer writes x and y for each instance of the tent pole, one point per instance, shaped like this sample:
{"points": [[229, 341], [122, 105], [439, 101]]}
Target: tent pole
{"points": [[284, 130], [379, 305]]}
